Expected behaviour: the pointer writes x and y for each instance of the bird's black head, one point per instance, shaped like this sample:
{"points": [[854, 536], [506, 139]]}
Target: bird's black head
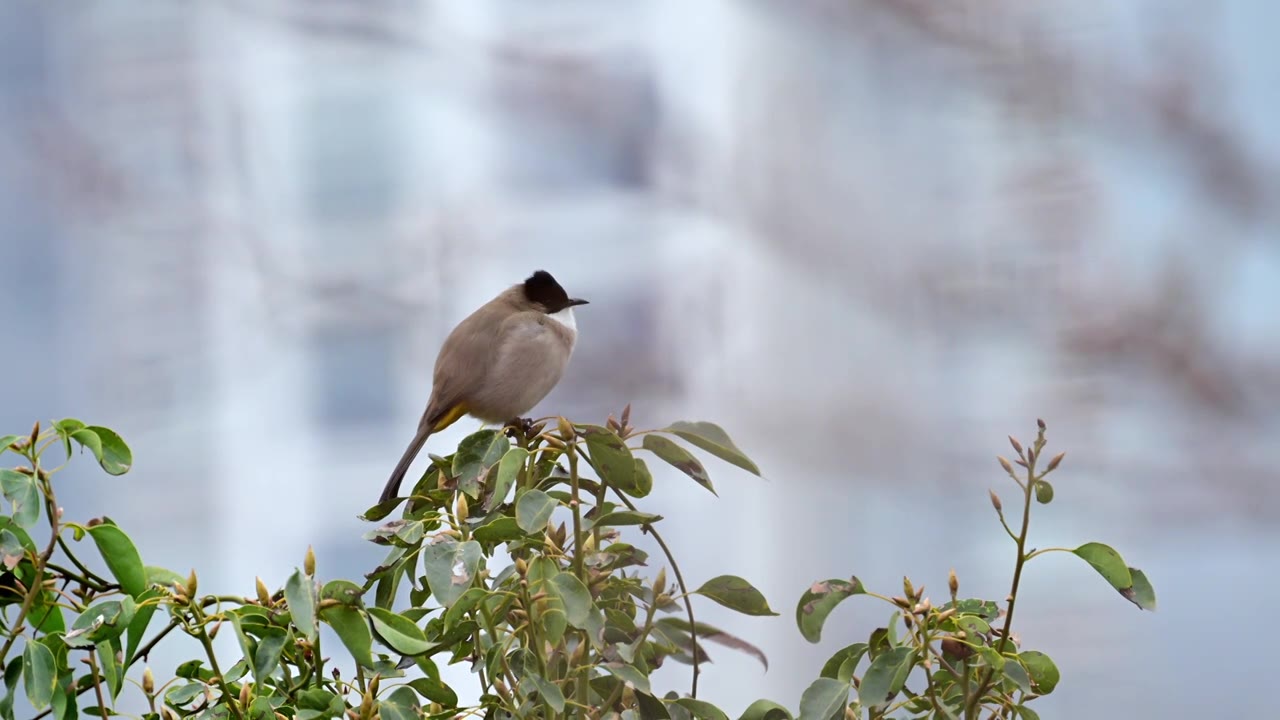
{"points": [[542, 289]]}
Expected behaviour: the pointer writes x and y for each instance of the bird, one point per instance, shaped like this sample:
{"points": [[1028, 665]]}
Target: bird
{"points": [[498, 363]]}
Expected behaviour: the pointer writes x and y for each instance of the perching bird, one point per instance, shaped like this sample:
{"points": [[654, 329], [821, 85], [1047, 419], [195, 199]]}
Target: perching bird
{"points": [[499, 362]]}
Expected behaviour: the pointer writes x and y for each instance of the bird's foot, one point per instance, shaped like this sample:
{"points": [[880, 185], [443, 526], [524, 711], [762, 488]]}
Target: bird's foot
{"points": [[522, 426]]}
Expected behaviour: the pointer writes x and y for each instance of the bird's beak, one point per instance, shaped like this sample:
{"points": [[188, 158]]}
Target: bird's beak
{"points": [[576, 301]]}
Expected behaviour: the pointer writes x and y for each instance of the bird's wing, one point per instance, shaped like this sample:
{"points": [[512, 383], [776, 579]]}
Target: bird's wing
{"points": [[463, 361]]}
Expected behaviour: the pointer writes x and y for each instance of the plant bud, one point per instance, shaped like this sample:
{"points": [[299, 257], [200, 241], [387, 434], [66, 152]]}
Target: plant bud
{"points": [[309, 562], [923, 607], [1057, 459], [1008, 467], [35, 432], [1017, 446], [626, 415], [566, 429], [244, 694], [374, 683], [1040, 424], [264, 596], [555, 442], [946, 614], [579, 655], [613, 424], [901, 602], [464, 509], [995, 501], [192, 583], [660, 582], [24, 470], [148, 682], [522, 567], [953, 582], [907, 589]]}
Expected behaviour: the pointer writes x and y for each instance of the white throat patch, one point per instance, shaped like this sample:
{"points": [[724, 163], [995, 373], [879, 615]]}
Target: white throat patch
{"points": [[565, 318]]}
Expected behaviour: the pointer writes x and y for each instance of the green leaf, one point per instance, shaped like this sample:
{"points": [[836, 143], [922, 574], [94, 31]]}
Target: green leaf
{"points": [[116, 457], [344, 591], [39, 674], [503, 529], [736, 594], [845, 659], [1026, 713], [401, 704], [533, 510], [267, 656], [464, 604], [398, 632], [300, 596], [715, 440], [353, 630], [6, 441], [710, 633], [121, 557], [12, 550], [180, 695], [1112, 568], [702, 709], [613, 461], [679, 458], [1044, 674], [627, 673], [886, 676], [141, 620], [824, 699], [576, 598], [105, 620], [765, 710], [449, 567], [818, 602], [22, 491], [1044, 492], [626, 517], [547, 690], [111, 672], [1141, 594], [12, 674], [650, 707], [1018, 674], [435, 691], [162, 576], [508, 470], [476, 453]]}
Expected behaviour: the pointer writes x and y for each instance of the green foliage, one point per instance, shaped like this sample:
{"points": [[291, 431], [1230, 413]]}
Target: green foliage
{"points": [[516, 556]]}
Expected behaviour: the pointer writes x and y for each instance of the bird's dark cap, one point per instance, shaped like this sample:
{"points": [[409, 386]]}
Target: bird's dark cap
{"points": [[542, 288]]}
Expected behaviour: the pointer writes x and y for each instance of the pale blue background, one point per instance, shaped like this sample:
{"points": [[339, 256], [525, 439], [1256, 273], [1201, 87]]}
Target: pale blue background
{"points": [[869, 238]]}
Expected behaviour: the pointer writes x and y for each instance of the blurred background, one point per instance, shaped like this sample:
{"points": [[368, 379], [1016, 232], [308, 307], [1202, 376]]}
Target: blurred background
{"points": [[868, 237]]}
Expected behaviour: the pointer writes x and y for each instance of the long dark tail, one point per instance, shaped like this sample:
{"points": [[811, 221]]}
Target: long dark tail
{"points": [[392, 488]]}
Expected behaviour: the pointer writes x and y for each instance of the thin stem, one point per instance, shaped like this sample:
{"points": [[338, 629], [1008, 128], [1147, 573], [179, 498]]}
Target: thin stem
{"points": [[684, 590], [1042, 551], [71, 575], [582, 690], [87, 572], [1017, 571], [97, 684], [37, 584], [203, 636]]}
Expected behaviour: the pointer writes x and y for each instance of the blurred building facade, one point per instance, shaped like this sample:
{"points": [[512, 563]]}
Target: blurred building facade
{"points": [[870, 238]]}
